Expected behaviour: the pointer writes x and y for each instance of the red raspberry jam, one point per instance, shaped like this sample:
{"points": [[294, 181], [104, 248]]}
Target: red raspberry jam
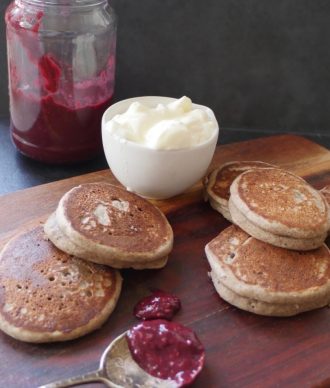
{"points": [[56, 108], [167, 350], [159, 305]]}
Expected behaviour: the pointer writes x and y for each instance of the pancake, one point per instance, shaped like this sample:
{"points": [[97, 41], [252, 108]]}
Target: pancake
{"points": [[261, 308], [303, 244], [275, 202], [265, 279], [47, 295], [217, 183], [65, 244], [106, 224]]}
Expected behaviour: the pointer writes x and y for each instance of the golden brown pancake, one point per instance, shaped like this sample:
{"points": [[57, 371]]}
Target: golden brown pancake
{"points": [[111, 226], [303, 244], [217, 183], [275, 203], [65, 244], [265, 279], [258, 307], [47, 295]]}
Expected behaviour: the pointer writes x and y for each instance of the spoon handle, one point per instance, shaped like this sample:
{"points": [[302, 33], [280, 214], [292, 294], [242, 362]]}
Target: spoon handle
{"points": [[96, 376]]}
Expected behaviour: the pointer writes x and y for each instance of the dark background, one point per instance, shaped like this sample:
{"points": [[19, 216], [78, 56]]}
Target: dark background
{"points": [[260, 64]]}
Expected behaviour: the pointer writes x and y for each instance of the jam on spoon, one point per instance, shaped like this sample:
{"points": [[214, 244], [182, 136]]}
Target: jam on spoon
{"points": [[154, 353], [159, 305], [166, 350]]}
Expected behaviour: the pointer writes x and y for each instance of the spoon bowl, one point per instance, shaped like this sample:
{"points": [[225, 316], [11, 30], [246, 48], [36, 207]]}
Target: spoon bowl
{"points": [[117, 370]]}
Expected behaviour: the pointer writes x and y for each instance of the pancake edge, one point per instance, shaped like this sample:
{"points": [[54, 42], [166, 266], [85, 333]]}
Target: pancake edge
{"points": [[208, 187], [222, 209], [65, 244], [104, 251], [259, 307], [58, 336], [228, 278], [276, 227], [300, 244], [211, 179]]}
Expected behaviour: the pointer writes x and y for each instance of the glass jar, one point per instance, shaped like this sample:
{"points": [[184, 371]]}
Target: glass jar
{"points": [[61, 61]]}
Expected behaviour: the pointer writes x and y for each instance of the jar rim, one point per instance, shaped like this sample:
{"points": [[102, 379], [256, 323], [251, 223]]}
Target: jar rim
{"points": [[63, 3]]}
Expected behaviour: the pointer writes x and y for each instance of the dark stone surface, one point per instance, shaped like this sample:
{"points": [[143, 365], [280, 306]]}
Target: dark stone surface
{"points": [[19, 172], [258, 64]]}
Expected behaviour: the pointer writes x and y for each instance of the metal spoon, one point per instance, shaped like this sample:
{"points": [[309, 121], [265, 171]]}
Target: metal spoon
{"points": [[117, 370]]}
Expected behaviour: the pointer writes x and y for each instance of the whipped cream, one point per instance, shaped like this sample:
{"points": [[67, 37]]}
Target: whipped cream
{"points": [[166, 126]]}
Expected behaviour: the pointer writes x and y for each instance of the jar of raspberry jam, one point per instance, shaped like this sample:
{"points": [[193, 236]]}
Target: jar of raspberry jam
{"points": [[61, 61]]}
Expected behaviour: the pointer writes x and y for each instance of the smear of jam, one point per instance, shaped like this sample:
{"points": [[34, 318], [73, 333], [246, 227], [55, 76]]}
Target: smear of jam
{"points": [[167, 350], [50, 72], [36, 24], [159, 305]]}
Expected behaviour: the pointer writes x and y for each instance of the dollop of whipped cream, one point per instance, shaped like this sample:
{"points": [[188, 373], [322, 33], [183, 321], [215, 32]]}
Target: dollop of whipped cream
{"points": [[166, 126]]}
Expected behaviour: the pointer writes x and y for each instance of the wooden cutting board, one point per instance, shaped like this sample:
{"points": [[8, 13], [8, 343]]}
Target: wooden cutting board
{"points": [[242, 349]]}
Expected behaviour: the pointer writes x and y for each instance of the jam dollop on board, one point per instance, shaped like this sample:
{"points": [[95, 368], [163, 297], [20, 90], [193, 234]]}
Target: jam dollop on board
{"points": [[167, 350], [159, 305]]}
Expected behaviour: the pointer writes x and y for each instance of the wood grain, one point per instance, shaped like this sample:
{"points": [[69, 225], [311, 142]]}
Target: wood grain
{"points": [[242, 349]]}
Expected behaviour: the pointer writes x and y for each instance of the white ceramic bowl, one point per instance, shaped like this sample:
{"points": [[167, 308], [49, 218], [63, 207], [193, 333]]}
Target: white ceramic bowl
{"points": [[154, 173]]}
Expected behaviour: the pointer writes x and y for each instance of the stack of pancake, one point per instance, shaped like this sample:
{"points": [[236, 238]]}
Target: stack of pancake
{"points": [[108, 225], [217, 183], [61, 281], [274, 260]]}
